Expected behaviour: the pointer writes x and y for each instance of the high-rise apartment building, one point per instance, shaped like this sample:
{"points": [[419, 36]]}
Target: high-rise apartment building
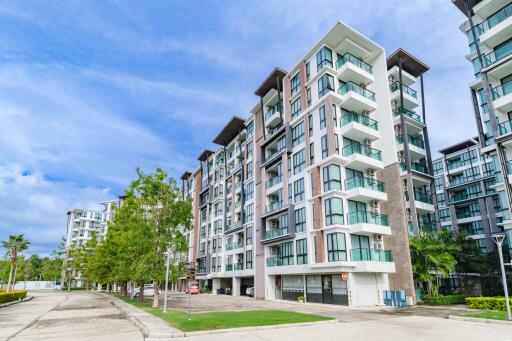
{"points": [[408, 105], [305, 197], [489, 31]]}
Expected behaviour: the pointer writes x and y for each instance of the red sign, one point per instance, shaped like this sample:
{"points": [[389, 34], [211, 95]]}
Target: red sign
{"points": [[344, 276]]}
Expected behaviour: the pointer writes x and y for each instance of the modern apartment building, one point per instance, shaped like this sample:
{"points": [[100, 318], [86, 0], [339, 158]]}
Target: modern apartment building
{"points": [[408, 105], [467, 195], [489, 31], [305, 197]]}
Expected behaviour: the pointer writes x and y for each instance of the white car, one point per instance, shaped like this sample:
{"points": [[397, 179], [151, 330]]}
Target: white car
{"points": [[149, 290]]}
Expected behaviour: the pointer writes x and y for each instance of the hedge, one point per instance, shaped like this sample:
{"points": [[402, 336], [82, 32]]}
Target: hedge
{"points": [[486, 303], [441, 300], [12, 295]]}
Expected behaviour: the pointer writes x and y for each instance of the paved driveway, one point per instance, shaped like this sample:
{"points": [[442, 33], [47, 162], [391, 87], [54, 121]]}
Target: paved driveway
{"points": [[65, 316]]}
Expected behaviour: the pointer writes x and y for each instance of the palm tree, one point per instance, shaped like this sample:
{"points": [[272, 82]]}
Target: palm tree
{"points": [[14, 245]]}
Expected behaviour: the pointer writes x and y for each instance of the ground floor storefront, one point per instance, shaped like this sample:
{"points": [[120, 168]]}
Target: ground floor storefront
{"points": [[236, 286]]}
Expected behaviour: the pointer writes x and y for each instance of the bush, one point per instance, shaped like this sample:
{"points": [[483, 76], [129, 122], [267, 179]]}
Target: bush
{"points": [[12, 295], [486, 303], [441, 300]]}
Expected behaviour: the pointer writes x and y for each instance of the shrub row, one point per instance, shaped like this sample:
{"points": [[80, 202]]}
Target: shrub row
{"points": [[440, 300], [486, 303], [12, 295]]}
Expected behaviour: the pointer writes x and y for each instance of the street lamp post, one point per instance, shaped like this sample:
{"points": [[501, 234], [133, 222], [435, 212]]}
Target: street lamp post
{"points": [[498, 239], [167, 276]]}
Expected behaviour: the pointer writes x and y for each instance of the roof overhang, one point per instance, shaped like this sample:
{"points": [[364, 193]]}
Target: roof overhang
{"points": [[205, 154], [460, 5], [230, 131], [459, 146], [410, 64], [271, 82], [185, 175]]}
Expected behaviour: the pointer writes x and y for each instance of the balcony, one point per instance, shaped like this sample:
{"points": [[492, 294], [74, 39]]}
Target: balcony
{"points": [[465, 196], [274, 233], [502, 98], [415, 141], [356, 126], [409, 95], [356, 98], [415, 166], [274, 206], [361, 157], [374, 255], [273, 116], [497, 28], [277, 261], [365, 189], [273, 181], [368, 223], [351, 68], [411, 114], [420, 196], [505, 128]]}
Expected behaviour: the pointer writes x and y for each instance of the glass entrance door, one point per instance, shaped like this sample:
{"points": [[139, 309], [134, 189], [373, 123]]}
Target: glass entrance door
{"points": [[327, 289]]}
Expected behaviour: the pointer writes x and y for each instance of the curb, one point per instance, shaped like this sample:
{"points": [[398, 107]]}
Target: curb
{"points": [[3, 305], [480, 320], [151, 327]]}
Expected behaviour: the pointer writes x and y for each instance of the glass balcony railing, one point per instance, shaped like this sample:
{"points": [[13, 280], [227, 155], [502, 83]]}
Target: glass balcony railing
{"points": [[465, 196], [501, 90], [276, 232], [238, 266], [273, 181], [419, 167], [505, 127], [420, 196], [274, 206], [347, 57], [275, 109], [411, 114], [371, 255], [415, 141], [355, 117], [229, 267], [364, 217], [396, 86], [495, 19], [497, 55], [277, 261], [357, 89], [509, 167], [364, 182], [463, 180], [358, 148]]}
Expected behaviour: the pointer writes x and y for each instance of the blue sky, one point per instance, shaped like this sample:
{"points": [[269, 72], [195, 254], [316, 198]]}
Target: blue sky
{"points": [[89, 90]]}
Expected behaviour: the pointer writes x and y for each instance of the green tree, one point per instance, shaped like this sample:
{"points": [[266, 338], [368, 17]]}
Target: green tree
{"points": [[469, 260], [432, 256], [14, 245]]}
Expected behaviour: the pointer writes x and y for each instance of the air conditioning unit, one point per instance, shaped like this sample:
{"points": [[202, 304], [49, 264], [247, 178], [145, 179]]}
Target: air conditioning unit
{"points": [[274, 249], [370, 172], [374, 204], [272, 199], [365, 113], [367, 142], [274, 224], [401, 159]]}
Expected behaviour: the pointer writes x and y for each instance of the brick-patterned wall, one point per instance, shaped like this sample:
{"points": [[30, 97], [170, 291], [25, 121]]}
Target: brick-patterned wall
{"points": [[398, 242], [197, 215], [317, 216]]}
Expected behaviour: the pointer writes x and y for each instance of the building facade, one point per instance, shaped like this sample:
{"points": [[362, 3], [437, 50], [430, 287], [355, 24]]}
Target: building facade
{"points": [[488, 28], [304, 197]]}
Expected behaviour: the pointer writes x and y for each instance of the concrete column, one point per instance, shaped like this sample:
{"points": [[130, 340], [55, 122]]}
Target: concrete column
{"points": [[215, 285], [235, 290]]}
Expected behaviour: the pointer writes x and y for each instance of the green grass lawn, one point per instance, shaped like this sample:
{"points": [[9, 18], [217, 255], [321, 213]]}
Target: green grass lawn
{"points": [[493, 315], [221, 320]]}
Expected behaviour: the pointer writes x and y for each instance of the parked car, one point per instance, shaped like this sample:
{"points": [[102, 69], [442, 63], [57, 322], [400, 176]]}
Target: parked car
{"points": [[249, 291], [224, 291], [193, 290], [149, 290]]}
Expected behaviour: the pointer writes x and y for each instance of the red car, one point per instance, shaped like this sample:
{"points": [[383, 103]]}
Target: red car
{"points": [[193, 290]]}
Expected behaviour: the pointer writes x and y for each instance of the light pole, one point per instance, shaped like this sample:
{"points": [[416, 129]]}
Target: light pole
{"points": [[498, 239], [167, 276]]}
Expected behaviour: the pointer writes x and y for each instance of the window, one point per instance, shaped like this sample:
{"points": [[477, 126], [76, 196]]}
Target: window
{"points": [[438, 182], [214, 264], [332, 177], [285, 253], [248, 259], [308, 96], [299, 161], [310, 125], [311, 153], [296, 107], [441, 199], [336, 247], [482, 246], [298, 134], [298, 190], [249, 191], [302, 251], [248, 235], [250, 129], [249, 213], [325, 147], [323, 58], [438, 167], [300, 220], [249, 148], [308, 71], [333, 211], [295, 83], [250, 169], [336, 143], [334, 116], [321, 112], [325, 84]]}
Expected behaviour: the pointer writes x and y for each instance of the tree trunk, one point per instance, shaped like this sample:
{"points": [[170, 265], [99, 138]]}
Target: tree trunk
{"points": [[10, 278], [156, 294], [14, 279], [141, 293]]}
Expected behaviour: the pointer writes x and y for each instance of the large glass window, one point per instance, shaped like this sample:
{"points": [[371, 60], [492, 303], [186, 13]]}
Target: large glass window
{"points": [[300, 220], [325, 146], [336, 247], [286, 253], [248, 235], [298, 190], [325, 84], [321, 114], [298, 134], [248, 259], [311, 153], [295, 83], [299, 161], [332, 177], [323, 58], [296, 107], [302, 251], [310, 124], [333, 211]]}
